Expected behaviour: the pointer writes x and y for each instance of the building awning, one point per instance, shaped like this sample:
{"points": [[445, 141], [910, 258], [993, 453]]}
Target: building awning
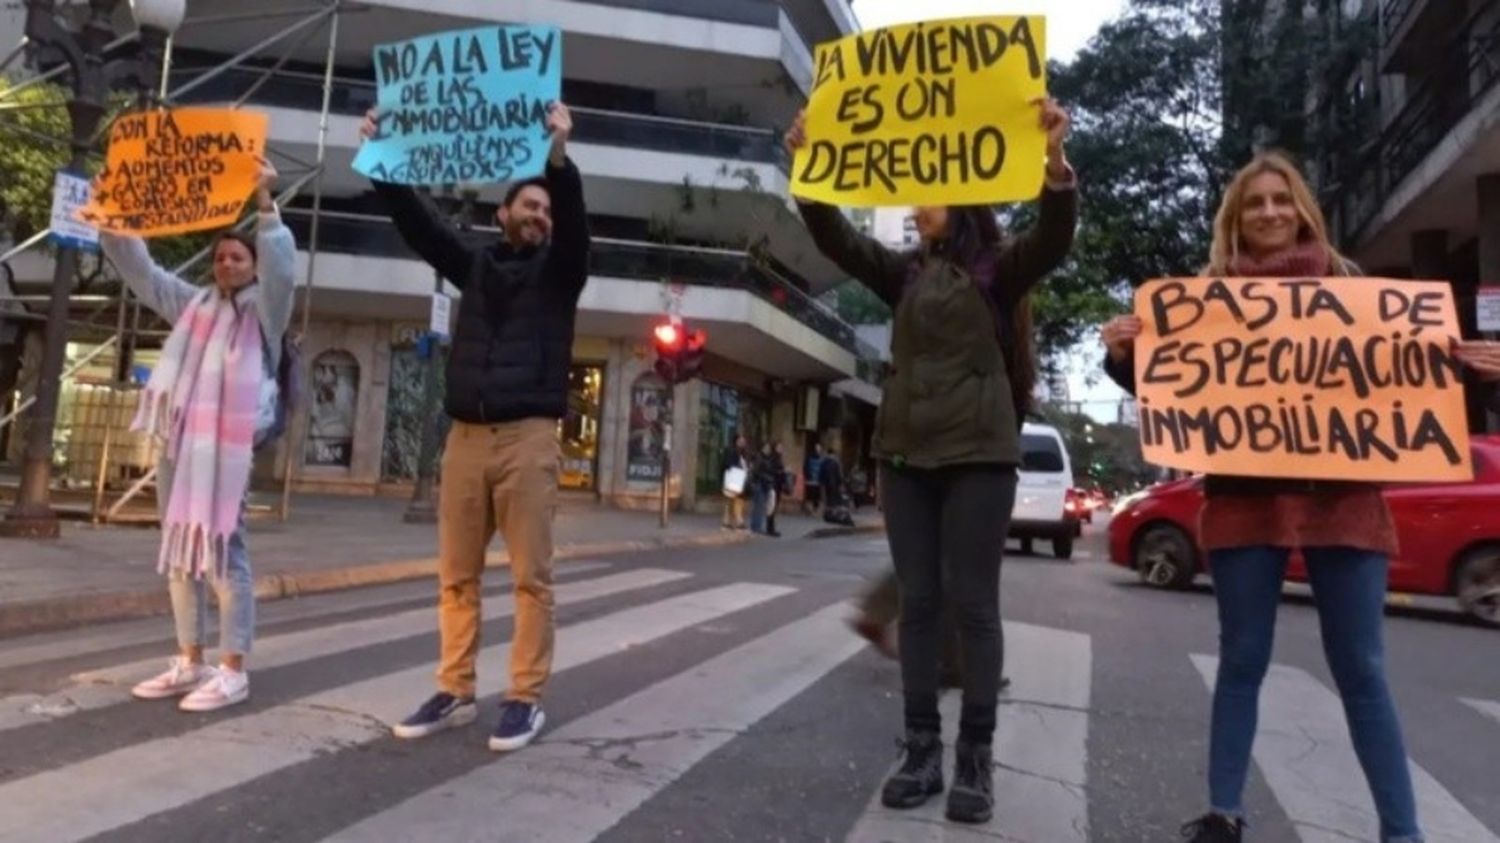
{"points": [[857, 389]]}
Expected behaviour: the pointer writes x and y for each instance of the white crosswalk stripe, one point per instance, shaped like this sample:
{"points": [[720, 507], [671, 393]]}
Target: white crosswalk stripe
{"points": [[1041, 738], [101, 688], [633, 760], [1488, 708], [1304, 751], [87, 798], [572, 786]]}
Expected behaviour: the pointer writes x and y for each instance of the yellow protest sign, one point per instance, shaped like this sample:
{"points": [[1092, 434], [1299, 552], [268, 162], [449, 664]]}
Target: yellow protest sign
{"points": [[177, 171], [1317, 378], [935, 113]]}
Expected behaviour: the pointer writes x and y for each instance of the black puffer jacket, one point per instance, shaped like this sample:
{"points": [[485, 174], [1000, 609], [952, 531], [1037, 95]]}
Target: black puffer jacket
{"points": [[513, 344]]}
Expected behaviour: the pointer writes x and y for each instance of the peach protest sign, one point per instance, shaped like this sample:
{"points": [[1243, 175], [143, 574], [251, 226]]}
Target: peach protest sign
{"points": [[1316, 378], [177, 171]]}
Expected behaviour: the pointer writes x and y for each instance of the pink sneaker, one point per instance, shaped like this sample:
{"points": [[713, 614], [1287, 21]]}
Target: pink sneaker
{"points": [[181, 677], [226, 688]]}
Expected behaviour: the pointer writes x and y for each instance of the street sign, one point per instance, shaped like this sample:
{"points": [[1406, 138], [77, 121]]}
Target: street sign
{"points": [[442, 311], [69, 193], [1487, 308]]}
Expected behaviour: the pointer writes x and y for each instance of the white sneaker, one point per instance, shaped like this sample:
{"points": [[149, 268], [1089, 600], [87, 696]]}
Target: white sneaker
{"points": [[226, 688], [181, 677]]}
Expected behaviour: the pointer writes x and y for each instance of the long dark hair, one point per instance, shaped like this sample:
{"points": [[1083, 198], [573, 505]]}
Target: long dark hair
{"points": [[974, 240]]}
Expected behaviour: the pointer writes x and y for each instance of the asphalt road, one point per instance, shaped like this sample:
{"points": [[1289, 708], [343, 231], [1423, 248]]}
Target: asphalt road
{"points": [[707, 696]]}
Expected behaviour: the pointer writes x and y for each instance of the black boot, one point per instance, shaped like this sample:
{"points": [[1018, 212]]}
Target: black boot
{"points": [[1214, 828], [921, 774], [972, 798]]}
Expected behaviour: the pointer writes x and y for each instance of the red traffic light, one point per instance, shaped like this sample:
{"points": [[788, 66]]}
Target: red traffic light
{"points": [[696, 340], [668, 335]]}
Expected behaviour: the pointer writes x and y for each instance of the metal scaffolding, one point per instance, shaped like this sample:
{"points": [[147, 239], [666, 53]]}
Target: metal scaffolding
{"points": [[109, 460]]}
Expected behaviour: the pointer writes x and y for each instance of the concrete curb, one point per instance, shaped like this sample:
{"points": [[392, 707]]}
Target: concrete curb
{"points": [[57, 613]]}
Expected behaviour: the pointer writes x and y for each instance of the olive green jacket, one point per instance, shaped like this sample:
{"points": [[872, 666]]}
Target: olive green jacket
{"points": [[947, 397]]}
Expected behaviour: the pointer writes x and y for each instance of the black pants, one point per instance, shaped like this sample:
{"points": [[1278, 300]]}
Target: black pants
{"points": [[948, 525]]}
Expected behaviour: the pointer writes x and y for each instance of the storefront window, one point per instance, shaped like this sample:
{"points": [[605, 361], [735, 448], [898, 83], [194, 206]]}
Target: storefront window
{"points": [[335, 395], [578, 432], [725, 412]]}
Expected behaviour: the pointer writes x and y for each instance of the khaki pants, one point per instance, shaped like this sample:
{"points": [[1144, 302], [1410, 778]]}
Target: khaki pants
{"points": [[734, 512], [505, 476]]}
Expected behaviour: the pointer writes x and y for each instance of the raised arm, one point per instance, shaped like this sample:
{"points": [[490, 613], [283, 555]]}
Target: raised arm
{"points": [[1119, 335], [875, 266], [160, 291], [422, 226], [1027, 259], [568, 257], [276, 258]]}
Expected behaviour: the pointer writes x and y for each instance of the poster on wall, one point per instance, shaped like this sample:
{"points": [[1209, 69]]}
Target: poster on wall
{"points": [[335, 391], [650, 413]]}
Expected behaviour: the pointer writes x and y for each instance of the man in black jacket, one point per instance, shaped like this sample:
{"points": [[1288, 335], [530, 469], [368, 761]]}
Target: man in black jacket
{"points": [[507, 388]]}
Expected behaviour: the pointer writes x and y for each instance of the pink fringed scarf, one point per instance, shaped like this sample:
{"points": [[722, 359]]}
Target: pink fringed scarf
{"points": [[201, 399]]}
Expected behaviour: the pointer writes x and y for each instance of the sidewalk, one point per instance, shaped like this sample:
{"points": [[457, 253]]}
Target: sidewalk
{"points": [[95, 574]]}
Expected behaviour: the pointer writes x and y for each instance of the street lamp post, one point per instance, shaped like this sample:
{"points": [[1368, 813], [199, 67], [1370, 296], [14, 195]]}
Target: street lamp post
{"points": [[423, 506], [83, 51]]}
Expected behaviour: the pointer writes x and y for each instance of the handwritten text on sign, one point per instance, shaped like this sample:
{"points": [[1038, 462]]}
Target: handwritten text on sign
{"points": [[464, 107], [927, 114], [1333, 378], [177, 171]]}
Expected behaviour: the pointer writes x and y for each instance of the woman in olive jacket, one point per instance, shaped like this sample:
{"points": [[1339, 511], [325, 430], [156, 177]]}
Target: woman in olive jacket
{"points": [[946, 437]]}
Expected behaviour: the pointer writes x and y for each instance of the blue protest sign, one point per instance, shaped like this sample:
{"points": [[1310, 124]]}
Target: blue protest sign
{"points": [[464, 107]]}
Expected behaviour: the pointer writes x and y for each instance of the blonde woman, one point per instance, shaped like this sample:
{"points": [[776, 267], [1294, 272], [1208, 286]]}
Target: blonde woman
{"points": [[1270, 226]]}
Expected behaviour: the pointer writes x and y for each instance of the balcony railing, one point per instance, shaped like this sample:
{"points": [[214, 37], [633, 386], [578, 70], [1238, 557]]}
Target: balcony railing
{"points": [[353, 97], [1431, 110], [1394, 16], [372, 236]]}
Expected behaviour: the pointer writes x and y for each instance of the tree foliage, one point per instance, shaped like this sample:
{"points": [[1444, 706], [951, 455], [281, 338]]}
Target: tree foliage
{"points": [[33, 145]]}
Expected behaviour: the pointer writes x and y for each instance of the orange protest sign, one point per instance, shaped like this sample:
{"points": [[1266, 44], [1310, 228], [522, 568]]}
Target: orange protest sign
{"points": [[1331, 378], [177, 171]]}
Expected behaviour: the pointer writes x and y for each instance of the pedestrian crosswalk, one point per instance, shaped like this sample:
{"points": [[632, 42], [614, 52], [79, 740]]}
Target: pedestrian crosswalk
{"points": [[758, 649]]}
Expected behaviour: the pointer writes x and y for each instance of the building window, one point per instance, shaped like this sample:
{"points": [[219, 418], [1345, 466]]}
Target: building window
{"points": [[724, 412], [335, 395], [578, 431], [650, 415]]}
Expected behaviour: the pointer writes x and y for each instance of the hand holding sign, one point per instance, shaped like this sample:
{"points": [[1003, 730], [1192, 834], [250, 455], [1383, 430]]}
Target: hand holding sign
{"points": [[1483, 356], [560, 127], [265, 184], [1055, 122], [1119, 336]]}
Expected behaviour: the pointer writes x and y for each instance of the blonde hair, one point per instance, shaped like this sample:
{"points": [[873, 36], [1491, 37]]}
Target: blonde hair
{"points": [[1314, 228]]}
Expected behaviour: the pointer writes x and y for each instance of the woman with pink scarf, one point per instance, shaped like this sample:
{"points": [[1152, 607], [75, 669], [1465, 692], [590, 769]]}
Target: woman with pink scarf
{"points": [[212, 399]]}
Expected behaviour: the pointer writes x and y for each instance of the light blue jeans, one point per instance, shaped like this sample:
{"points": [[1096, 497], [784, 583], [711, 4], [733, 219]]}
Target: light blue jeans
{"points": [[1349, 589], [236, 591]]}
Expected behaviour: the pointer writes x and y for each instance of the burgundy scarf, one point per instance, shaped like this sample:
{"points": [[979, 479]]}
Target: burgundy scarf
{"points": [[1305, 260]]}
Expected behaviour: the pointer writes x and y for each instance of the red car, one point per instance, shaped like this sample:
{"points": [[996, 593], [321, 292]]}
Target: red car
{"points": [[1449, 533]]}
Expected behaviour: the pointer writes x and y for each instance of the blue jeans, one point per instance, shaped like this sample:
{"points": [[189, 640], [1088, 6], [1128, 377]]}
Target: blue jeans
{"points": [[1349, 589], [760, 508], [236, 591]]}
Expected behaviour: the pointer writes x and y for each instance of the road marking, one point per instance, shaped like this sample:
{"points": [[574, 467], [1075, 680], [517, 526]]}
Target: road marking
{"points": [[129, 784], [1041, 751], [1488, 708], [581, 780], [1304, 752], [111, 686]]}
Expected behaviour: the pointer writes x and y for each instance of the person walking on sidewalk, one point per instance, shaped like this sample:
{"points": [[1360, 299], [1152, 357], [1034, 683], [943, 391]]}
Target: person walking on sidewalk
{"points": [[948, 446], [737, 458], [765, 479], [1269, 226], [812, 481], [213, 399], [507, 389]]}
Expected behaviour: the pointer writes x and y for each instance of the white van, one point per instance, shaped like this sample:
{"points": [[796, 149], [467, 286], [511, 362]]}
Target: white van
{"points": [[1044, 480]]}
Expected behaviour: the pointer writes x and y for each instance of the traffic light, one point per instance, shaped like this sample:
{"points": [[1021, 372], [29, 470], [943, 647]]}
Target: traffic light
{"points": [[679, 351]]}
